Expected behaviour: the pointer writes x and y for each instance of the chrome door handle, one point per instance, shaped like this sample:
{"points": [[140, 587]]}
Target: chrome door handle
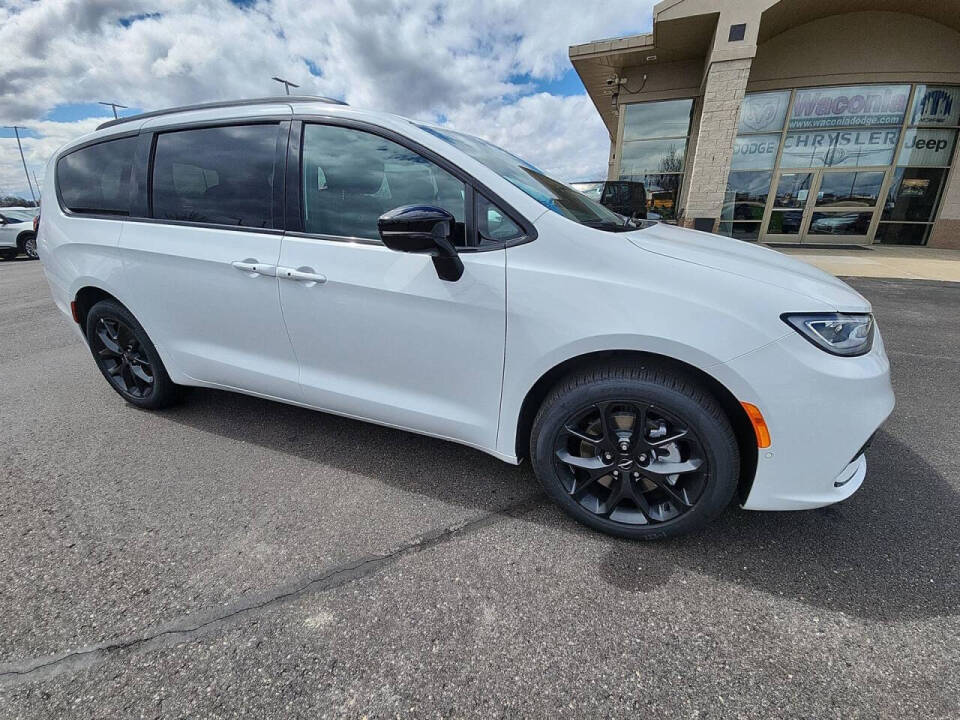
{"points": [[304, 275], [252, 266]]}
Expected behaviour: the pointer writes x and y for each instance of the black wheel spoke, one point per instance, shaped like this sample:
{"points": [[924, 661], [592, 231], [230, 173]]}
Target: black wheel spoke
{"points": [[120, 354], [631, 462]]}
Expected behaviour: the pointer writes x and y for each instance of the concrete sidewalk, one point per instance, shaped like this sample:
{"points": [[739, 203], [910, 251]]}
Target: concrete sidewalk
{"points": [[884, 261]]}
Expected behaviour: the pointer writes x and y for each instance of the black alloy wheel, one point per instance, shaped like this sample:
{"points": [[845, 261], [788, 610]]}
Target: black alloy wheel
{"points": [[642, 451], [123, 359], [631, 462], [127, 358]]}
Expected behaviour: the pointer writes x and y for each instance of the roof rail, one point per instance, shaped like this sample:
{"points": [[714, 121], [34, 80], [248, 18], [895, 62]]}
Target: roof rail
{"points": [[222, 104]]}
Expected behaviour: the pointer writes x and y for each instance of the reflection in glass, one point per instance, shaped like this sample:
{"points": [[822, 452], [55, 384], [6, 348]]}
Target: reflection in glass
{"points": [[652, 156], [663, 189], [746, 195], [849, 188], [669, 118], [785, 222], [792, 190], [913, 194], [848, 223], [901, 233], [740, 230]]}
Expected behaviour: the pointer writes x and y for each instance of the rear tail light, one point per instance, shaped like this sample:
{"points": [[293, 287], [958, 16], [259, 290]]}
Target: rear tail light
{"points": [[36, 222]]}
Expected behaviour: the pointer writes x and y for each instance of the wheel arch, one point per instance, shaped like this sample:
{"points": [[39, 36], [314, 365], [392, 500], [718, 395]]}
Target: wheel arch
{"points": [[742, 428], [88, 296]]}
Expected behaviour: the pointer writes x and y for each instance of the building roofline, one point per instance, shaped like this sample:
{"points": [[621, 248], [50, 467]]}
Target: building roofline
{"points": [[221, 104]]}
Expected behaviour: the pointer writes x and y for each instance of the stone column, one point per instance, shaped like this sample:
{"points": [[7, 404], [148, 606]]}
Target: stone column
{"points": [[724, 87], [946, 230]]}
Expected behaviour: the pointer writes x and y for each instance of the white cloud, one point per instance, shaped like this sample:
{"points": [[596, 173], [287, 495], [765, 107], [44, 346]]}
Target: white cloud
{"points": [[424, 58]]}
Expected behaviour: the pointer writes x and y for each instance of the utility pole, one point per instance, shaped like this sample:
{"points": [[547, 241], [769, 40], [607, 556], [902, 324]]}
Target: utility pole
{"points": [[16, 131], [286, 83], [37, 184], [114, 106]]}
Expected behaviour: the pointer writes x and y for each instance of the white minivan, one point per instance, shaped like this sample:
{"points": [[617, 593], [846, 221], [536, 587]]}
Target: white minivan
{"points": [[402, 273]]}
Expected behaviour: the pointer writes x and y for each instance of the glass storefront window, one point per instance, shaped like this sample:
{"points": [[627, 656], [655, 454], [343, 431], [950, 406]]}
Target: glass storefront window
{"points": [[640, 157], [792, 190], [763, 112], [740, 230], [849, 188], [927, 147], [913, 194], [663, 190], [851, 106], [785, 222], [755, 152], [667, 118], [893, 233], [936, 105], [848, 223], [746, 195], [840, 148]]}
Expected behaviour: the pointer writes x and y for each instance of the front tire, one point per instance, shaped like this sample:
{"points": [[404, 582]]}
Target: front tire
{"points": [[127, 358], [635, 450]]}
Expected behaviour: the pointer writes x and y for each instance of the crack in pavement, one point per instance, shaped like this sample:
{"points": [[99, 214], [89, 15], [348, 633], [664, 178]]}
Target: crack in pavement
{"points": [[198, 624]]}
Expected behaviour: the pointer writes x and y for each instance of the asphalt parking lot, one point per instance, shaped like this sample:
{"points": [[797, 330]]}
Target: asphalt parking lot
{"points": [[234, 557]]}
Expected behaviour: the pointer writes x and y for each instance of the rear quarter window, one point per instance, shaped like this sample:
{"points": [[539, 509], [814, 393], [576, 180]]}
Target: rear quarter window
{"points": [[97, 179]]}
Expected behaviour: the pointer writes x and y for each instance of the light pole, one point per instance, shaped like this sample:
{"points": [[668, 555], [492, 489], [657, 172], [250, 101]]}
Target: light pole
{"points": [[286, 83], [16, 131], [114, 107]]}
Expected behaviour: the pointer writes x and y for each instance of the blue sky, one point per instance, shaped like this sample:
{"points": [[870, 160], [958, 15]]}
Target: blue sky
{"points": [[499, 70]]}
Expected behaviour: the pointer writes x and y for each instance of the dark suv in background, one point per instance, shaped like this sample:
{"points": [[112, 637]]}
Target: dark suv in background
{"points": [[625, 197]]}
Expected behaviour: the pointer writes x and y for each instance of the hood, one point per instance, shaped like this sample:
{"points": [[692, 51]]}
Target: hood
{"points": [[753, 262]]}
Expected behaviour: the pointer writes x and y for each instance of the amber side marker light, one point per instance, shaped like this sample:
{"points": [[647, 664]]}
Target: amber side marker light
{"points": [[759, 425]]}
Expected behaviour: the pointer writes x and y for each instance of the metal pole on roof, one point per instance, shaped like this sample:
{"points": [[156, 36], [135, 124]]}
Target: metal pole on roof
{"points": [[286, 83], [114, 107], [16, 131]]}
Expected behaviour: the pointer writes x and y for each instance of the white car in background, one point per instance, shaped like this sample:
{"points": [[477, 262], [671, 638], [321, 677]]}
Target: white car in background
{"points": [[375, 267], [17, 233]]}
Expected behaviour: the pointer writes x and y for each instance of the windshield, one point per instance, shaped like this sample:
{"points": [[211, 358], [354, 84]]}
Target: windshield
{"points": [[552, 194]]}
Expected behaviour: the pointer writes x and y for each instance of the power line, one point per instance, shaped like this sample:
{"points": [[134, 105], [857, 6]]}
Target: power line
{"points": [[16, 131]]}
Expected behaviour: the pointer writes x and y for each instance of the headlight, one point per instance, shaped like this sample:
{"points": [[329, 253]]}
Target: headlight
{"points": [[846, 334]]}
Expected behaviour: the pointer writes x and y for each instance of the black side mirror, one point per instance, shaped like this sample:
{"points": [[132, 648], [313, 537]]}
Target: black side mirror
{"points": [[424, 230]]}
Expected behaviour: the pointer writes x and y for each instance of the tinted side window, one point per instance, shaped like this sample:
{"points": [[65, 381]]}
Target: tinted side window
{"points": [[97, 179], [220, 175], [494, 224], [351, 177]]}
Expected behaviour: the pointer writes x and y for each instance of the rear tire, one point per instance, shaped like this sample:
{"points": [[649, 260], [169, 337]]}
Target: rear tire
{"points": [[29, 246], [9, 254], [127, 358], [635, 450]]}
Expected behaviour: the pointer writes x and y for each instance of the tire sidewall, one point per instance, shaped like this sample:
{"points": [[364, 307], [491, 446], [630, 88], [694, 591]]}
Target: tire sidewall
{"points": [[713, 431]]}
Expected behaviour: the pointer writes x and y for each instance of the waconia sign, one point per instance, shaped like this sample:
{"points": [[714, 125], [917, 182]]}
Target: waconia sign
{"points": [[851, 106]]}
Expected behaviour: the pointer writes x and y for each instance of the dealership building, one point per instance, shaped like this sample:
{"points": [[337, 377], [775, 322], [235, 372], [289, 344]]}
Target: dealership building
{"points": [[799, 121]]}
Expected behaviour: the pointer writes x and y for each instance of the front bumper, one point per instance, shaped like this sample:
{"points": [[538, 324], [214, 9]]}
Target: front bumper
{"points": [[821, 410]]}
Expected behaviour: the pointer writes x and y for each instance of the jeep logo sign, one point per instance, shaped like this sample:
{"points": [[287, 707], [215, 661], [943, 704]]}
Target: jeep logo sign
{"points": [[928, 147]]}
